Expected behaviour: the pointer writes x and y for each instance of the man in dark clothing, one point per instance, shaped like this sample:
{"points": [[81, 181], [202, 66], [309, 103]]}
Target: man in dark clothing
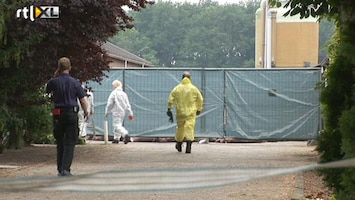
{"points": [[65, 90]]}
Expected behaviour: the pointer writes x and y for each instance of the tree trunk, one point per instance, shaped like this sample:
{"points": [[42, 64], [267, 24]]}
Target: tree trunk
{"points": [[2, 147], [16, 140]]}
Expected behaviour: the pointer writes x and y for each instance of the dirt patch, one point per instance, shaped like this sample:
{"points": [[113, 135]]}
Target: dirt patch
{"points": [[315, 188], [39, 160]]}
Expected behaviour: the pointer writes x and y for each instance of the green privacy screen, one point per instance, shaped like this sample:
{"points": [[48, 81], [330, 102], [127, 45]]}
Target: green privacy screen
{"points": [[276, 104]]}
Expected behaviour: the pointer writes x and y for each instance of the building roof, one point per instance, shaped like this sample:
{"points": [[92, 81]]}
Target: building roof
{"points": [[118, 53]]}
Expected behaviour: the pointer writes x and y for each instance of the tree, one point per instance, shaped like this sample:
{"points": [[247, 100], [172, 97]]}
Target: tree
{"points": [[199, 35], [338, 97], [192, 35], [137, 44], [165, 24], [223, 32], [29, 50], [326, 31]]}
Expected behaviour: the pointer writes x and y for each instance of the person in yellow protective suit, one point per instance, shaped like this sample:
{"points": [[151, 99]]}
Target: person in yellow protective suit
{"points": [[189, 103]]}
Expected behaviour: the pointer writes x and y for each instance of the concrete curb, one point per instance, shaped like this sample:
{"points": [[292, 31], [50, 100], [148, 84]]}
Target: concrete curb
{"points": [[298, 194]]}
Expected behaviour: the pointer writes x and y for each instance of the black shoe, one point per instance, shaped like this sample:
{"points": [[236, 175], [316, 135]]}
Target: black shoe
{"points": [[115, 141], [126, 139], [178, 146], [66, 173], [188, 146]]}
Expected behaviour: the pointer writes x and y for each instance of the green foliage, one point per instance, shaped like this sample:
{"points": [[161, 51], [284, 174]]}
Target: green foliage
{"points": [[4, 116], [348, 183], [16, 139], [228, 37], [192, 35], [38, 124], [347, 127], [29, 51], [14, 126], [81, 140], [336, 97], [10, 128], [30, 124], [207, 35], [337, 140], [45, 138], [326, 31], [309, 8], [132, 41], [329, 143]]}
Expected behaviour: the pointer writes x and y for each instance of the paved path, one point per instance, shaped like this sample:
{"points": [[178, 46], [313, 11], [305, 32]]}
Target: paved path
{"points": [[150, 157]]}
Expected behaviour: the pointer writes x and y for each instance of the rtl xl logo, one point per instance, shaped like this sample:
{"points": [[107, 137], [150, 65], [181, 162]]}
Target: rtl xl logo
{"points": [[42, 12]]}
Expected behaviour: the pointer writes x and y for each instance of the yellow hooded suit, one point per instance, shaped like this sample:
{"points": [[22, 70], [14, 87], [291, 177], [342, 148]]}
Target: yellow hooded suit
{"points": [[188, 100]]}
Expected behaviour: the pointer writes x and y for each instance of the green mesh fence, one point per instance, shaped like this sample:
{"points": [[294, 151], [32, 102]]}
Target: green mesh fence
{"points": [[277, 104]]}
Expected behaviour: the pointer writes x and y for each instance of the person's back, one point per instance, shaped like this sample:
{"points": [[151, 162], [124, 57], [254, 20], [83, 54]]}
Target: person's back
{"points": [[65, 90], [90, 100], [189, 103], [118, 104], [187, 99], [120, 101]]}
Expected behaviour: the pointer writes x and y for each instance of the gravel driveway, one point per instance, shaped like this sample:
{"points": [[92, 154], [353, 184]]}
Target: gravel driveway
{"points": [[39, 161]]}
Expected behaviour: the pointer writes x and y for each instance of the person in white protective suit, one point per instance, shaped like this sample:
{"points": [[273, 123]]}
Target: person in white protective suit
{"points": [[118, 104], [90, 110], [90, 97]]}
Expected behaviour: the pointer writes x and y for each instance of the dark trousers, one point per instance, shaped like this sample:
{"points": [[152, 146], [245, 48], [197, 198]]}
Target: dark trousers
{"points": [[66, 132]]}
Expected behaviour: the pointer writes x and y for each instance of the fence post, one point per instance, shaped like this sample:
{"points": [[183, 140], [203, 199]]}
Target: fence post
{"points": [[106, 131]]}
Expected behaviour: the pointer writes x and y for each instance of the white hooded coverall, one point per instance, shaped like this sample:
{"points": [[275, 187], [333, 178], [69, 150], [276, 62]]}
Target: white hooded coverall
{"points": [[118, 104], [90, 109]]}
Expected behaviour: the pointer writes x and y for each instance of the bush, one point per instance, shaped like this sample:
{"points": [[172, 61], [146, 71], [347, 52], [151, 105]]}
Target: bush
{"points": [[81, 140], [337, 141], [38, 124], [347, 128], [329, 144], [4, 115], [334, 98], [10, 128]]}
